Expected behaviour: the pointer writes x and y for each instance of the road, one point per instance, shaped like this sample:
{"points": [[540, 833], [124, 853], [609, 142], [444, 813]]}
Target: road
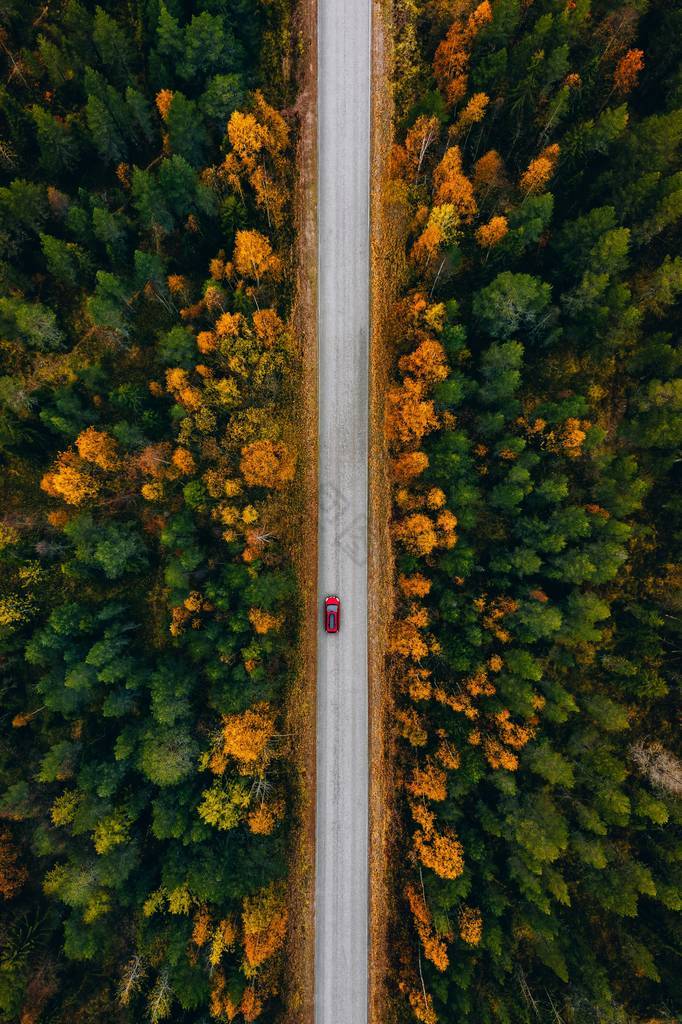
{"points": [[341, 907]]}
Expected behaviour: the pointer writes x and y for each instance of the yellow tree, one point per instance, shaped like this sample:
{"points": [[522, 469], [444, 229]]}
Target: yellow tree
{"points": [[264, 922], [253, 257]]}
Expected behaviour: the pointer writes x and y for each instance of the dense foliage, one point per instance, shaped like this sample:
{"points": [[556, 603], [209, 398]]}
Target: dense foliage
{"points": [[147, 604], [534, 424]]}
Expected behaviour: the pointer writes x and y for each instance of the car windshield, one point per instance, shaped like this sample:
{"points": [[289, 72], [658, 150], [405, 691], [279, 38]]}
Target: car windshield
{"points": [[332, 620]]}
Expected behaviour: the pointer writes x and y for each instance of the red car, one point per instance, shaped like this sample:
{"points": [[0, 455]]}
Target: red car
{"points": [[332, 614]]}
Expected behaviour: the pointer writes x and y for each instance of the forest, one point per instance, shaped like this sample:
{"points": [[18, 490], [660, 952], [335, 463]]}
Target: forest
{"points": [[150, 454], [148, 607], [534, 423]]}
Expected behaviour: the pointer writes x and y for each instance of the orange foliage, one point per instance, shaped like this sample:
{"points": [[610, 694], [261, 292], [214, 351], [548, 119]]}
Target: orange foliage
{"points": [[473, 112], [452, 185], [498, 756], [153, 460], [177, 382], [435, 949], [417, 682], [421, 136], [406, 641], [12, 874], [229, 325], [452, 56], [409, 465], [513, 734], [409, 415], [626, 75], [268, 326], [414, 586], [489, 171], [447, 755], [99, 447], [427, 362], [206, 342], [418, 534], [540, 170], [221, 1006], [264, 919], [428, 782], [435, 498], [201, 932], [183, 461], [572, 436], [267, 464], [263, 820], [164, 99], [251, 1005], [493, 232], [440, 851], [470, 925], [247, 138], [178, 285], [422, 1006]]}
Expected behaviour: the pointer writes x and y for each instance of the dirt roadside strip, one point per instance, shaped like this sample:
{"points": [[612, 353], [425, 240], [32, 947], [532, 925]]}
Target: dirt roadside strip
{"points": [[384, 250], [301, 717]]}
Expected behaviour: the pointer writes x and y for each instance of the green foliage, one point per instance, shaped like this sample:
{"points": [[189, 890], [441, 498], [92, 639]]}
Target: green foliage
{"points": [[127, 577], [540, 682]]}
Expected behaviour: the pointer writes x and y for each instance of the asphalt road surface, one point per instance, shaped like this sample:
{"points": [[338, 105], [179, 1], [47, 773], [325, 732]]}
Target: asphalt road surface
{"points": [[341, 915]]}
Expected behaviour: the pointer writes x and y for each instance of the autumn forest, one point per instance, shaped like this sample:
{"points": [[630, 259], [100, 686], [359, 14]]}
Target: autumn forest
{"points": [[150, 445]]}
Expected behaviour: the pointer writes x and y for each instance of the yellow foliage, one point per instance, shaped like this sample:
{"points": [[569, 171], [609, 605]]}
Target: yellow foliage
{"points": [[470, 925], [224, 937], [264, 920], [406, 641], [254, 258], [69, 482], [247, 734], [263, 622], [411, 727]]}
